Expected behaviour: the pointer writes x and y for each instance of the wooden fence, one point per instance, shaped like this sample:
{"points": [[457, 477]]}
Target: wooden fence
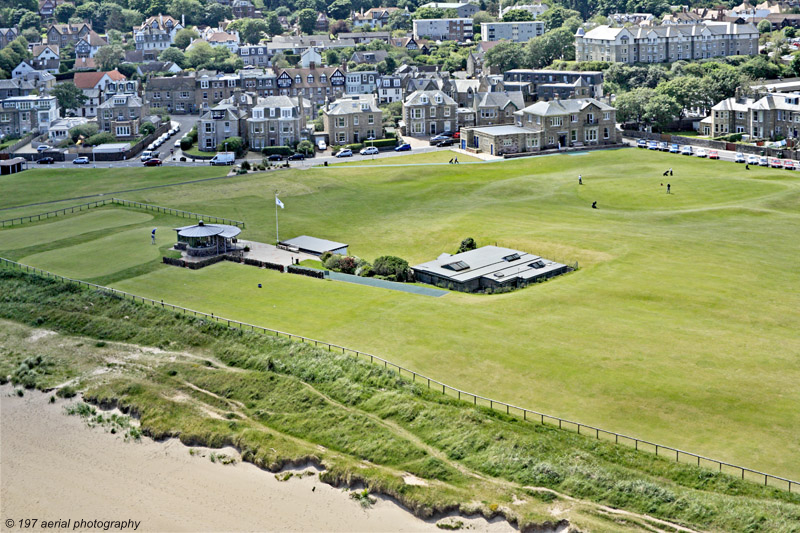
{"points": [[125, 203], [525, 414]]}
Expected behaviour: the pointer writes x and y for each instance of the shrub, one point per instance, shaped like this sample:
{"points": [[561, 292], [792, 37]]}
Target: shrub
{"points": [[192, 135], [341, 263], [393, 268], [282, 150], [147, 128], [354, 147], [100, 138], [66, 392], [292, 269], [325, 256], [467, 245], [245, 165], [84, 130], [235, 144]]}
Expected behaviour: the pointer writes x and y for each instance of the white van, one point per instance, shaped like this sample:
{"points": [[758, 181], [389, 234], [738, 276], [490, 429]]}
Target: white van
{"points": [[223, 158], [149, 154]]}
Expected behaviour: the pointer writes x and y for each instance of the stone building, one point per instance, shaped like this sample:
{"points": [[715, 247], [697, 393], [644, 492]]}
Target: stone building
{"points": [[429, 113], [353, 119], [276, 121]]}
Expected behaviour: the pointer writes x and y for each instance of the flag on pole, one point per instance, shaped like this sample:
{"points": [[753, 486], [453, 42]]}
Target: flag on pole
{"points": [[278, 202]]}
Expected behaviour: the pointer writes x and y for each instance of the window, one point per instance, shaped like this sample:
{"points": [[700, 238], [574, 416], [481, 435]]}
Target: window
{"points": [[573, 118], [533, 142], [157, 95], [607, 116], [605, 133], [341, 137], [370, 119], [416, 113], [209, 127], [447, 111], [590, 135], [340, 122], [123, 131], [204, 84], [433, 112], [556, 121]]}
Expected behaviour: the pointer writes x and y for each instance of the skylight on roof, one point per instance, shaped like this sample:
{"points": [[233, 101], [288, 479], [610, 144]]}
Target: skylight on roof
{"points": [[512, 257], [458, 266], [537, 264]]}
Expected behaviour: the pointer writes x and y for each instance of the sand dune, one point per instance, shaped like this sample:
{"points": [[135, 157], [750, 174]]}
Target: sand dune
{"points": [[55, 468]]}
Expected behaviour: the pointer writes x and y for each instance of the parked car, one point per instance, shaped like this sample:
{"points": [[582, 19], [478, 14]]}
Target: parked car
{"points": [[674, 148], [775, 163], [641, 143], [436, 139], [713, 154], [149, 154], [739, 157], [405, 147], [152, 162], [369, 150], [686, 150], [457, 135], [788, 164], [345, 152], [701, 152], [43, 148], [275, 157], [321, 146], [663, 146], [448, 142], [296, 157], [752, 159], [46, 161], [762, 161], [177, 144], [82, 160]]}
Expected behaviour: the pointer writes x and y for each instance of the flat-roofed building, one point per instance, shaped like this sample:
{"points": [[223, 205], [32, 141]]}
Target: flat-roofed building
{"points": [[518, 32]]}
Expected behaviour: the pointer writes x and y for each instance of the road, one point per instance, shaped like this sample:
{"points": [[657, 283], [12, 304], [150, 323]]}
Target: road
{"points": [[724, 155]]}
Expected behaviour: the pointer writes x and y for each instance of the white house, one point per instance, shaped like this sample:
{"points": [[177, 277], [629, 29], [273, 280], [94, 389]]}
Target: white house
{"points": [[59, 129], [21, 70], [310, 55]]}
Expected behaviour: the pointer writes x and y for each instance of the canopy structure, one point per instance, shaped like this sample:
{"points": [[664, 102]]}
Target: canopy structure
{"points": [[204, 239]]}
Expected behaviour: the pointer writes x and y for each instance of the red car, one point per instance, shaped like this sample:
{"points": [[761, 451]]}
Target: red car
{"points": [[775, 163], [712, 154], [457, 135], [152, 162], [788, 164]]}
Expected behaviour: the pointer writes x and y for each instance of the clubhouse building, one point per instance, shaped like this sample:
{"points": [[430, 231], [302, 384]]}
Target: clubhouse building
{"points": [[202, 240], [489, 267]]}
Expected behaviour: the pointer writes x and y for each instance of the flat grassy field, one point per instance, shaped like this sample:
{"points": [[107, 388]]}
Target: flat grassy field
{"points": [[679, 327], [440, 156]]}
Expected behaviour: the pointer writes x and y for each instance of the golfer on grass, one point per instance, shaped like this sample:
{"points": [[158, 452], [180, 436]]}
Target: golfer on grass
{"points": [[153, 236]]}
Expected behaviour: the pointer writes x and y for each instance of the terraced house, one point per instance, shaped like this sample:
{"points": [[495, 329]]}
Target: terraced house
{"points": [[353, 119], [315, 84], [276, 121], [765, 116], [174, 94], [428, 113], [667, 43]]}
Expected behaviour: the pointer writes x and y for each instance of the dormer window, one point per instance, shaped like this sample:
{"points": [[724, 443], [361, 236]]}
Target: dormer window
{"points": [[424, 99], [438, 99], [298, 80], [323, 78], [310, 79]]}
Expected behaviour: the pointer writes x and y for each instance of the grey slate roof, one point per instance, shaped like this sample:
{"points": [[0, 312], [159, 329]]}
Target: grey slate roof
{"points": [[415, 98], [304, 242], [488, 261], [563, 107]]}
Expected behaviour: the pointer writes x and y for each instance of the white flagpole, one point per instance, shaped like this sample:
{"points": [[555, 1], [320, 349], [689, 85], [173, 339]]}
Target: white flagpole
{"points": [[277, 235]]}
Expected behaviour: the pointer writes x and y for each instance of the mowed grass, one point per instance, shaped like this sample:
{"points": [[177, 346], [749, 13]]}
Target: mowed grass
{"points": [[680, 326], [440, 156], [40, 185]]}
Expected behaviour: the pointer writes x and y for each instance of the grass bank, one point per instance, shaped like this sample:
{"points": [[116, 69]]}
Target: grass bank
{"points": [[284, 403]]}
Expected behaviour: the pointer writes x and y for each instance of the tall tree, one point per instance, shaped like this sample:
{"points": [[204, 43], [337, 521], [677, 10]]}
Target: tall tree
{"points": [[109, 57], [184, 37], [64, 12], [660, 110], [273, 25], [68, 96], [506, 55], [340, 9], [631, 105], [307, 19], [517, 15]]}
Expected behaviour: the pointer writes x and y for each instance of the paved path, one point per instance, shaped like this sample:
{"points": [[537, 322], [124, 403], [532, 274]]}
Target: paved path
{"points": [[383, 284], [271, 254]]}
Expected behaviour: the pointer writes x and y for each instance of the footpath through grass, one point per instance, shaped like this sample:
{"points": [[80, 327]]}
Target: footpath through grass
{"points": [[680, 327], [283, 403]]}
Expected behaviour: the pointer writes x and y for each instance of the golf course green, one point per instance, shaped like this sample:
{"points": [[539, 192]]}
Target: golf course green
{"points": [[680, 326]]}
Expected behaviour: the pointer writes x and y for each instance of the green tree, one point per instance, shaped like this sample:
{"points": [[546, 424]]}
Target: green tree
{"points": [[631, 105], [795, 65], [307, 19], [131, 18], [173, 54], [192, 10], [110, 56], [392, 267], [235, 144], [687, 91], [216, 13], [199, 55], [764, 26], [467, 245], [399, 20], [29, 20], [184, 37], [84, 130], [68, 96], [273, 25], [789, 32], [428, 13], [340, 9], [506, 55], [517, 15], [660, 110], [554, 17], [101, 138], [306, 147], [64, 12], [147, 128], [250, 30], [332, 57], [759, 67]]}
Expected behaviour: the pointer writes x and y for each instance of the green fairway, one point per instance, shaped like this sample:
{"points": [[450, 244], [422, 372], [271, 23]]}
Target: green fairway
{"points": [[679, 327], [41, 185], [441, 156]]}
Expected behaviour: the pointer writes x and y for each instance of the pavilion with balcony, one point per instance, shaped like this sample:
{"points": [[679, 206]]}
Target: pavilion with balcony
{"points": [[203, 240]]}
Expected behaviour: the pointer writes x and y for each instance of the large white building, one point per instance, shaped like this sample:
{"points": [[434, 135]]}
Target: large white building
{"points": [[657, 44], [459, 29], [518, 32], [21, 115]]}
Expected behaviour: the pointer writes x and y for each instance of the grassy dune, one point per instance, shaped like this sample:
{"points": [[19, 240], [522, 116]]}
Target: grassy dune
{"points": [[280, 403], [680, 326]]}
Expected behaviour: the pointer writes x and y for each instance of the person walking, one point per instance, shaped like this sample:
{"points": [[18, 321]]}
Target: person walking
{"points": [[668, 188], [747, 167], [153, 236], [670, 171], [455, 160], [580, 179]]}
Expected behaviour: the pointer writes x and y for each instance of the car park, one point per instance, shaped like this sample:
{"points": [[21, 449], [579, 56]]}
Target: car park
{"points": [[296, 157], [652, 145], [762, 161], [154, 162], [46, 161], [686, 150], [346, 152], [662, 146], [275, 157], [641, 143], [83, 160], [775, 163], [405, 147], [674, 148], [739, 157], [369, 150], [788, 164], [44, 148], [713, 154], [701, 152]]}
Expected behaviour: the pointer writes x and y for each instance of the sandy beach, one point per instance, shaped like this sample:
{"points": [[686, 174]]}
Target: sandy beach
{"points": [[54, 467]]}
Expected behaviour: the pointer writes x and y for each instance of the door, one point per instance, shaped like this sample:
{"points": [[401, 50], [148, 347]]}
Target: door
{"points": [[355, 138], [491, 149], [433, 128], [562, 141]]}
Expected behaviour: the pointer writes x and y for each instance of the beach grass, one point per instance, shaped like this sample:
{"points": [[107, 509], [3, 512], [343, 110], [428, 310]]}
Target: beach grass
{"points": [[282, 403], [679, 327]]}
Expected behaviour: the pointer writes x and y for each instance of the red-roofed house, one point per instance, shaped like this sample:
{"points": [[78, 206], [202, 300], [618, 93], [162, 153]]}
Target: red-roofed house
{"points": [[94, 85]]}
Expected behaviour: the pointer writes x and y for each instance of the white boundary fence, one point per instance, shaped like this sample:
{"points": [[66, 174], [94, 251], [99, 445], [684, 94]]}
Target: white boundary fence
{"points": [[525, 414]]}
